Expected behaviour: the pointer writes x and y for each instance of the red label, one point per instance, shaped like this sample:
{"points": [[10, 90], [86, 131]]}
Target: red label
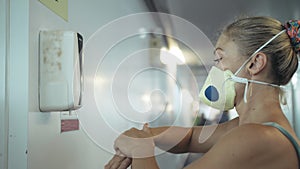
{"points": [[69, 125]]}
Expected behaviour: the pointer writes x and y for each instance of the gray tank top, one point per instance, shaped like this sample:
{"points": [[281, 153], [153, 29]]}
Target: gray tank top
{"points": [[288, 135]]}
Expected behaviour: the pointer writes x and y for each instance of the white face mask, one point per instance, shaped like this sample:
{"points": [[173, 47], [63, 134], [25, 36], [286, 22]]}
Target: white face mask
{"points": [[218, 90]]}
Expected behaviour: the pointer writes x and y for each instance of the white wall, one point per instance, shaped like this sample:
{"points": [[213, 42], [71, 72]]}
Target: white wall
{"points": [[47, 147], [3, 115], [14, 83]]}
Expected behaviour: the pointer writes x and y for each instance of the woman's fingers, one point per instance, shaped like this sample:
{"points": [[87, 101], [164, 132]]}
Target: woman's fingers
{"points": [[119, 153], [118, 162], [146, 128], [125, 163], [113, 163]]}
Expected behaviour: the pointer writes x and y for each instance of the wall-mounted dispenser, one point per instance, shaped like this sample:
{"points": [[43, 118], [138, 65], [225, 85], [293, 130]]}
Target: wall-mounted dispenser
{"points": [[60, 70]]}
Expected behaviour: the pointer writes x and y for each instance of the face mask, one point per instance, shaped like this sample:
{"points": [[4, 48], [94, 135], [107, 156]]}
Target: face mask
{"points": [[218, 90]]}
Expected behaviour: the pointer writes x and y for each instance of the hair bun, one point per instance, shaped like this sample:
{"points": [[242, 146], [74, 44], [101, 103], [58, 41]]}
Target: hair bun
{"points": [[293, 30]]}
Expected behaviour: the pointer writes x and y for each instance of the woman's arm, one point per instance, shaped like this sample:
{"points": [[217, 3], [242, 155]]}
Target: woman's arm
{"points": [[181, 140], [144, 163], [247, 146]]}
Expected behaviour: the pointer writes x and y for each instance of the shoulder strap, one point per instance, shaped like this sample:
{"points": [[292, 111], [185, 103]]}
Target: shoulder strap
{"points": [[287, 134]]}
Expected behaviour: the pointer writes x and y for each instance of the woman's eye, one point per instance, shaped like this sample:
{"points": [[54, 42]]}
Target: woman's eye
{"points": [[218, 60], [218, 55]]}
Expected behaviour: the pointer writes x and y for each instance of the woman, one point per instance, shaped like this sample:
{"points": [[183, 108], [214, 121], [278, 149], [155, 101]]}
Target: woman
{"points": [[263, 54]]}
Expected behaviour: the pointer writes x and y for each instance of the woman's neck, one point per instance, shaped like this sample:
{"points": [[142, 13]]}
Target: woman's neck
{"points": [[262, 105]]}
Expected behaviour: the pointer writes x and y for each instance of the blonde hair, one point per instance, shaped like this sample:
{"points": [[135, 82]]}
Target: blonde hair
{"points": [[250, 33]]}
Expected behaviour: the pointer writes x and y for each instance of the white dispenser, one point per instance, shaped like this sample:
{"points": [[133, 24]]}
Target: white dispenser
{"points": [[60, 70]]}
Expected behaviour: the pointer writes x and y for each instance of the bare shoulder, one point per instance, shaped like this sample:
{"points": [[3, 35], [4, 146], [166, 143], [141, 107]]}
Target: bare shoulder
{"points": [[246, 142], [254, 136], [246, 146], [249, 140]]}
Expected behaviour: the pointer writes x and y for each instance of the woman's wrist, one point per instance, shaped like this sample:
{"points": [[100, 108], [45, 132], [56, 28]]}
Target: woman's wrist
{"points": [[145, 163], [144, 151], [157, 134]]}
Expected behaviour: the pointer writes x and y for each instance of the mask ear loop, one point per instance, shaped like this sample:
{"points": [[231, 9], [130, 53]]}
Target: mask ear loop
{"points": [[245, 92], [260, 48], [244, 81], [282, 96]]}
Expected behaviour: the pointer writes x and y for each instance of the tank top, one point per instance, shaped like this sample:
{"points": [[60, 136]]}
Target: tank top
{"points": [[288, 136]]}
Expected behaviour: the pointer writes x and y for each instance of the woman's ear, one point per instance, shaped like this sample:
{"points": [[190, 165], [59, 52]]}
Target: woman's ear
{"points": [[257, 63]]}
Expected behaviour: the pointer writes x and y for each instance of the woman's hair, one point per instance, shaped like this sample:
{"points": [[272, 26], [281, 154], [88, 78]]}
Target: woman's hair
{"points": [[250, 33]]}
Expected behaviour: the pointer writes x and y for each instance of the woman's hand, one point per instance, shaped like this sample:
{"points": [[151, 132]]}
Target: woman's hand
{"points": [[118, 161], [136, 143]]}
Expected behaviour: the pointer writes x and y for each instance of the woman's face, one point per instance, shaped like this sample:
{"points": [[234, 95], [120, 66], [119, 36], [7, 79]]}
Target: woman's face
{"points": [[227, 55]]}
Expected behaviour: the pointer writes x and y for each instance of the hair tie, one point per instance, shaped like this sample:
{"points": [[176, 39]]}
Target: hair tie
{"points": [[293, 30]]}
